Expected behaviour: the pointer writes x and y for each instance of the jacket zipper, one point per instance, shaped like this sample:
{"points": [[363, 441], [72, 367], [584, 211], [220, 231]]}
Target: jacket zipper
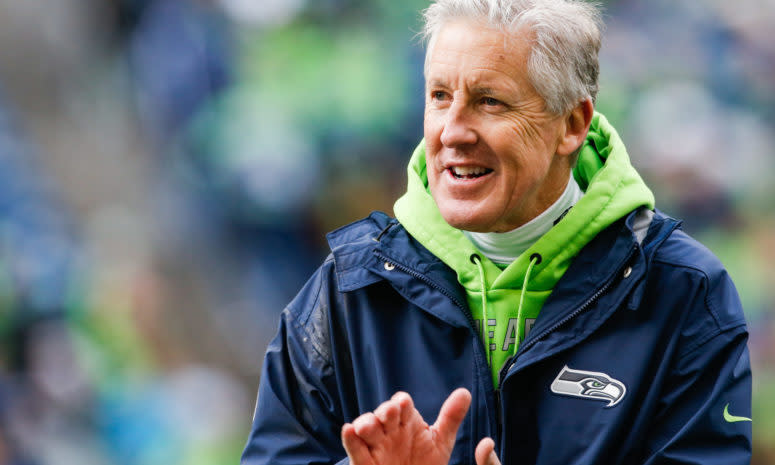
{"points": [[471, 326]]}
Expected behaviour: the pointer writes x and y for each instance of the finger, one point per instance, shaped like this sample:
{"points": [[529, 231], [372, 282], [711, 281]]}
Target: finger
{"points": [[485, 453], [389, 414], [451, 414], [369, 428], [356, 448], [407, 406]]}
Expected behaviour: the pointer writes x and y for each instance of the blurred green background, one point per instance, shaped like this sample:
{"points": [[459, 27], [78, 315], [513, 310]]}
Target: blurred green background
{"points": [[168, 169]]}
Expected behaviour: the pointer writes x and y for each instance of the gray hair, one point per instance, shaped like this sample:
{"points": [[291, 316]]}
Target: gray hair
{"points": [[563, 64]]}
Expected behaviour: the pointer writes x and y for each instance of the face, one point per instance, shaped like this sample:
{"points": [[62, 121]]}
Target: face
{"points": [[491, 148]]}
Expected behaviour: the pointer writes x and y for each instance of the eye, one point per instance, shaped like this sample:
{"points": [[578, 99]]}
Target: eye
{"points": [[490, 101], [438, 95]]}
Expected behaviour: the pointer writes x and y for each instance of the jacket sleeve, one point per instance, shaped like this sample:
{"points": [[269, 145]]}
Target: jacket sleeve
{"points": [[704, 415], [297, 419]]}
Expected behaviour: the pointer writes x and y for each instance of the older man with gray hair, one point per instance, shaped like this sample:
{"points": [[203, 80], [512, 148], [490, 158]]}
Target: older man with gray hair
{"points": [[526, 278]]}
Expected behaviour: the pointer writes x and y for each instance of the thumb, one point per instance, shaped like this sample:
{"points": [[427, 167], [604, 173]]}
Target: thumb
{"points": [[485, 453], [451, 414]]}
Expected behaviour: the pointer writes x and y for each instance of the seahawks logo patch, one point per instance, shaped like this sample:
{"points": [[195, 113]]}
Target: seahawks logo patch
{"points": [[589, 385]]}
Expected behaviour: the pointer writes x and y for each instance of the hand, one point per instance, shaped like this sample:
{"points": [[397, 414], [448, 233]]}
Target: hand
{"points": [[396, 434]]}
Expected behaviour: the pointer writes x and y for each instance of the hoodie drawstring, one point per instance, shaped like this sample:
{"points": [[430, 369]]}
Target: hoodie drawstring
{"points": [[477, 260], [535, 259]]}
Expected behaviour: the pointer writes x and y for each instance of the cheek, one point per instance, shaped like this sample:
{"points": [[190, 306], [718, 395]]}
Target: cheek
{"points": [[521, 166], [434, 184], [431, 125], [432, 177], [527, 135], [432, 134], [534, 129], [529, 152]]}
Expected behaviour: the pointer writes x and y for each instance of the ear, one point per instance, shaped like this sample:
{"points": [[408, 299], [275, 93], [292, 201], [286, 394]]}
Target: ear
{"points": [[576, 127]]}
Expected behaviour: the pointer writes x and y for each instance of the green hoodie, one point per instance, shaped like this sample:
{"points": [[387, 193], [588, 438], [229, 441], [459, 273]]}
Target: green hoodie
{"points": [[612, 190]]}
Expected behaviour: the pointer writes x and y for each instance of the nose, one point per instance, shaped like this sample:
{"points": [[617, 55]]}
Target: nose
{"points": [[457, 127]]}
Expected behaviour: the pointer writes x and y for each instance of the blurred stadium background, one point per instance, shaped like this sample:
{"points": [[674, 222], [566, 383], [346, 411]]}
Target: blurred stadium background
{"points": [[168, 169]]}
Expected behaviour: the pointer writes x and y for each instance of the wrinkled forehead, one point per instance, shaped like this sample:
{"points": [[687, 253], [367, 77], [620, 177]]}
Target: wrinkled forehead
{"points": [[478, 56]]}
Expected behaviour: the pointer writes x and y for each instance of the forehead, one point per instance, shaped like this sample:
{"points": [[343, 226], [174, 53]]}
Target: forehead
{"points": [[477, 52]]}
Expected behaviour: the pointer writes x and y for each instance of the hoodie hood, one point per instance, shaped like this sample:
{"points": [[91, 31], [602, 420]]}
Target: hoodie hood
{"points": [[612, 190]]}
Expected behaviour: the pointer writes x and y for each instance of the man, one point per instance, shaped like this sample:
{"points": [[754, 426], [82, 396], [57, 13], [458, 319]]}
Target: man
{"points": [[526, 265]]}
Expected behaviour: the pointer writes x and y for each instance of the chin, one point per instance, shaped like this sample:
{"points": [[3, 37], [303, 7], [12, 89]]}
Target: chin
{"points": [[466, 221]]}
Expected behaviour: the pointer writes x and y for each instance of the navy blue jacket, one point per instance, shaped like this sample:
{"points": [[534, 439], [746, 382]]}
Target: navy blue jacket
{"points": [[638, 356]]}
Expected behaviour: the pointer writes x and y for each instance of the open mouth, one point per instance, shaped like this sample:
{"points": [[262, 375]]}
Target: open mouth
{"points": [[468, 172]]}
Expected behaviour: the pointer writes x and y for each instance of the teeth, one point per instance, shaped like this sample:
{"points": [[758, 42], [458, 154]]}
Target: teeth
{"points": [[468, 170]]}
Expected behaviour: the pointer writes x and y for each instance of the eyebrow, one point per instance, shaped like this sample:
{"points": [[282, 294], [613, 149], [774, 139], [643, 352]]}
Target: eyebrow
{"points": [[477, 90], [483, 91]]}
